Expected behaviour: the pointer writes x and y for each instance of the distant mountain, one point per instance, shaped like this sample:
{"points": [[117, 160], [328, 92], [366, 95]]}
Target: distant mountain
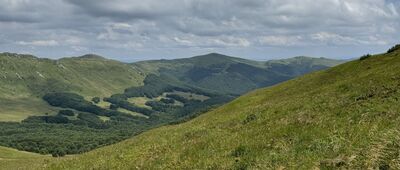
{"points": [[346, 117], [301, 65], [234, 75]]}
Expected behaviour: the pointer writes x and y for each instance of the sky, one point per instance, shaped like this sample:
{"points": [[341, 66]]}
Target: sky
{"points": [[133, 30]]}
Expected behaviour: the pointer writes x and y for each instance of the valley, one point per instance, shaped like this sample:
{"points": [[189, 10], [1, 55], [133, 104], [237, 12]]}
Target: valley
{"points": [[74, 105]]}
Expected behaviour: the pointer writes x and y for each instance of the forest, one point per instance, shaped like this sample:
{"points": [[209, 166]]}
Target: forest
{"points": [[78, 127]]}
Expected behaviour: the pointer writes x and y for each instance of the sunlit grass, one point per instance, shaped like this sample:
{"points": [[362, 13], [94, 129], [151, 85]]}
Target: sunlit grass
{"points": [[24, 79]]}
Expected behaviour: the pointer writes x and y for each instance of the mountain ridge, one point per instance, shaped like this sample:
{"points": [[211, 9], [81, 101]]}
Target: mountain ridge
{"points": [[214, 71]]}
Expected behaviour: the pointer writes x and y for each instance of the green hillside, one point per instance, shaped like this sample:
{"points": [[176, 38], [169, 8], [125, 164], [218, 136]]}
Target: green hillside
{"points": [[24, 79], [233, 75], [344, 117], [13, 159], [8, 153]]}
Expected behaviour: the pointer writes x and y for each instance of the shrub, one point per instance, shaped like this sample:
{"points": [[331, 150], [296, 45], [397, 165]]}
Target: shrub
{"points": [[239, 151], [122, 103], [113, 107], [250, 118], [66, 112], [178, 98], [96, 100], [158, 106], [92, 120], [167, 101], [365, 57], [77, 102], [241, 166], [332, 163], [58, 153], [395, 48], [57, 119]]}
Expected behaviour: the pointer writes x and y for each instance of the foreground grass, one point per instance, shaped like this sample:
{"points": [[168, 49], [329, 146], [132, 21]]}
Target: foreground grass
{"points": [[345, 117]]}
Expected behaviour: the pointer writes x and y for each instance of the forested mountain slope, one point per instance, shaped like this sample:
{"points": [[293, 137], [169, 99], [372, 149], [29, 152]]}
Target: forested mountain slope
{"points": [[234, 75]]}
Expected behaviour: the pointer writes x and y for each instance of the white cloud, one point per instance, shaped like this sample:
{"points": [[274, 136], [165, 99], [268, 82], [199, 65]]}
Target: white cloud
{"points": [[336, 39], [79, 48], [230, 42], [183, 41], [133, 45], [326, 36], [73, 40], [281, 40], [47, 43]]}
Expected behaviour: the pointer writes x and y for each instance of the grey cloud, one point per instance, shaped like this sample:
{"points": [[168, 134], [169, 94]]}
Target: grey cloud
{"points": [[126, 9], [17, 18], [31, 10], [151, 27]]}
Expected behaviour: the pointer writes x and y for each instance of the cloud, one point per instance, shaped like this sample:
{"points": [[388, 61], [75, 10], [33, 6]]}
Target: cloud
{"points": [[151, 27], [333, 38], [336, 39], [281, 40], [231, 42], [47, 43], [127, 9]]}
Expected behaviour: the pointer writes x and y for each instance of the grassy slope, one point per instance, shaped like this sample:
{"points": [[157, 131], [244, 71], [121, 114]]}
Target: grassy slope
{"points": [[23, 79], [12, 159], [345, 116], [8, 153], [17, 109]]}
